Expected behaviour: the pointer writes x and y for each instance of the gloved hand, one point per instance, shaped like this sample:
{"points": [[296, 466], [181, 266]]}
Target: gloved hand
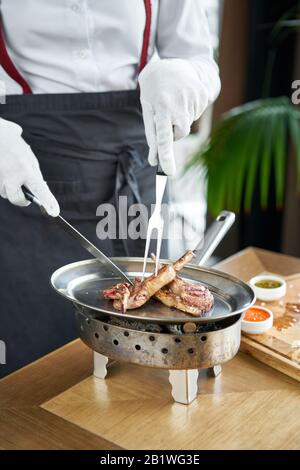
{"points": [[172, 98], [19, 166]]}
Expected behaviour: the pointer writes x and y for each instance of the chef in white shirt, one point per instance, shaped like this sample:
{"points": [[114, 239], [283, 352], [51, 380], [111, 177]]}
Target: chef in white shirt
{"points": [[96, 93]]}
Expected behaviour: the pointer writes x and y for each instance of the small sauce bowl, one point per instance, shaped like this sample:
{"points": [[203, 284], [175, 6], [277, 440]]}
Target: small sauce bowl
{"points": [[257, 320], [268, 287]]}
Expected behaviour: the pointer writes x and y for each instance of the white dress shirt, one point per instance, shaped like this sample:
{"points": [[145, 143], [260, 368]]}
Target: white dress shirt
{"points": [[73, 46]]}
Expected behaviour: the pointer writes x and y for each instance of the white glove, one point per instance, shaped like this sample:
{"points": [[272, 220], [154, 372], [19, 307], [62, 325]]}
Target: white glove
{"points": [[172, 98], [19, 166]]}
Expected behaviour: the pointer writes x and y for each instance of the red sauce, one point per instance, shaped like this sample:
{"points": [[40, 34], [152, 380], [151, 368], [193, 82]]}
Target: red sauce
{"points": [[256, 314]]}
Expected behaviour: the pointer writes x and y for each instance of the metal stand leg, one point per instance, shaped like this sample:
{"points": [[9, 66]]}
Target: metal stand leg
{"points": [[184, 385], [100, 362], [215, 371]]}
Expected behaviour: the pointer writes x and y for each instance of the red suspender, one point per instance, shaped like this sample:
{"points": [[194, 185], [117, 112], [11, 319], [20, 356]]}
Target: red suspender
{"points": [[9, 67], [146, 39]]}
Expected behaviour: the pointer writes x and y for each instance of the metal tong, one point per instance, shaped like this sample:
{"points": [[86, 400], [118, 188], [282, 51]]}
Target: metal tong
{"points": [[156, 221]]}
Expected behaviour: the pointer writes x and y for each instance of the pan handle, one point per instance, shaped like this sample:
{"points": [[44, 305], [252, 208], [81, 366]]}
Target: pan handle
{"points": [[213, 236]]}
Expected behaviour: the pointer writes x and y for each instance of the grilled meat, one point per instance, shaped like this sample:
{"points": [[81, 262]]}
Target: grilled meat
{"points": [[166, 287], [181, 262], [120, 293], [128, 296], [194, 299]]}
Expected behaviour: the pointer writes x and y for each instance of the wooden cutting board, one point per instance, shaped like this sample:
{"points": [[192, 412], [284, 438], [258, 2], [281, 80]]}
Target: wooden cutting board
{"points": [[280, 346]]}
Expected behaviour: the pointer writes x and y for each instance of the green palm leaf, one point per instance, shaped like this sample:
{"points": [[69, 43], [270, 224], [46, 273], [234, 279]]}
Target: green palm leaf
{"points": [[249, 142], [295, 135], [266, 159], [280, 150]]}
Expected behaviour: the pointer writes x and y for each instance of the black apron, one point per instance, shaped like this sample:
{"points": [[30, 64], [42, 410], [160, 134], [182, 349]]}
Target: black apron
{"points": [[91, 149]]}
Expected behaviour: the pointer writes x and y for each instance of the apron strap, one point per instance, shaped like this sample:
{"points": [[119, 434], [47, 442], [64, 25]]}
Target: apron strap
{"points": [[8, 66], [12, 72]]}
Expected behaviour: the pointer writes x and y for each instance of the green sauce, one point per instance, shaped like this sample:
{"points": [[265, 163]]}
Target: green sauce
{"points": [[268, 284]]}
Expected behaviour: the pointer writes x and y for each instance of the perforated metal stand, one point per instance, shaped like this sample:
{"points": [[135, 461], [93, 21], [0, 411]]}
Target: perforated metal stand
{"points": [[184, 382]]}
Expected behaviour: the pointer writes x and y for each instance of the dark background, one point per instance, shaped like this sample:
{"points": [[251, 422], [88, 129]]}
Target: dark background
{"points": [[263, 228], [246, 27]]}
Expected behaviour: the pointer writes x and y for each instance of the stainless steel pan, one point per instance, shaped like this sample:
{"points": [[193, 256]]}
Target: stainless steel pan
{"points": [[155, 335], [83, 283]]}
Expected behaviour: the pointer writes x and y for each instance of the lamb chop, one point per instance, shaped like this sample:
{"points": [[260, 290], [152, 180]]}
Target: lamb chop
{"points": [[127, 296], [194, 299]]}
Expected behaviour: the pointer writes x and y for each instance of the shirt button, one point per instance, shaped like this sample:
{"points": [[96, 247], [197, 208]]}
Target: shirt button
{"points": [[83, 54], [75, 7]]}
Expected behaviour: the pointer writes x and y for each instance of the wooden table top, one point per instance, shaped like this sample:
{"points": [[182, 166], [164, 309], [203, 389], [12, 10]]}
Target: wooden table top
{"points": [[55, 403], [24, 424]]}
